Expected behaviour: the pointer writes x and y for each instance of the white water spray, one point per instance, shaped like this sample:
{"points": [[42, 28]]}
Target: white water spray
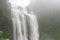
{"points": [[16, 24], [33, 27], [19, 18], [20, 25]]}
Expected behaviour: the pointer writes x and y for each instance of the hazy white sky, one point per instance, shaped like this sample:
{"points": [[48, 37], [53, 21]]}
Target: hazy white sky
{"points": [[22, 3]]}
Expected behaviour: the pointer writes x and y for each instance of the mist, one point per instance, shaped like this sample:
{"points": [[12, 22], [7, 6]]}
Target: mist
{"points": [[47, 13]]}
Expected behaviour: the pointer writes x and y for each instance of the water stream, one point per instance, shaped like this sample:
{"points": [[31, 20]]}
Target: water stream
{"points": [[20, 20]]}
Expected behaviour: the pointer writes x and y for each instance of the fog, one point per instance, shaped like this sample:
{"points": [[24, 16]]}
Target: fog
{"points": [[46, 6], [48, 15]]}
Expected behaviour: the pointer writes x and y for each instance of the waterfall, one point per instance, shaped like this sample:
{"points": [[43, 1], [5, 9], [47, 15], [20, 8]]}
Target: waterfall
{"points": [[20, 19], [17, 29]]}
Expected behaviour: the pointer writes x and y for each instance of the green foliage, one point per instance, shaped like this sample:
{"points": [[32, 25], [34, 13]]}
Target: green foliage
{"points": [[5, 22], [1, 36], [50, 25]]}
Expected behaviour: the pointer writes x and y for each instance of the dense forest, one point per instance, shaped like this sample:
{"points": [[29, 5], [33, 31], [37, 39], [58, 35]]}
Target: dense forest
{"points": [[5, 20]]}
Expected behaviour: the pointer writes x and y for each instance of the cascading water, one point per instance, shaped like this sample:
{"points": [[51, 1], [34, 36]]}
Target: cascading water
{"points": [[20, 19], [16, 24]]}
